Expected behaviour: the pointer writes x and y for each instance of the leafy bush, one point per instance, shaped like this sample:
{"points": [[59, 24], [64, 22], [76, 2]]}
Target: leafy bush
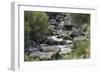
{"points": [[36, 25], [81, 50]]}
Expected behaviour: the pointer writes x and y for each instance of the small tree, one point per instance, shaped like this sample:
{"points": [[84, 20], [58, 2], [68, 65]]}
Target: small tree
{"points": [[38, 25]]}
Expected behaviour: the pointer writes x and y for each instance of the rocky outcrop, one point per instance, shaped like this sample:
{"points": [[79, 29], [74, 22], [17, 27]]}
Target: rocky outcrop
{"points": [[60, 41]]}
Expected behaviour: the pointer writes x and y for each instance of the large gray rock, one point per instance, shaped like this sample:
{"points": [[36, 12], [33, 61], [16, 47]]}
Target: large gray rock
{"points": [[64, 49], [55, 38], [42, 55], [37, 54], [79, 38], [43, 45], [46, 55], [33, 49], [50, 49], [69, 41]]}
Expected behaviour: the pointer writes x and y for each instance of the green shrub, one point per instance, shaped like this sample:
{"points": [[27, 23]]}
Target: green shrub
{"points": [[81, 50], [36, 25]]}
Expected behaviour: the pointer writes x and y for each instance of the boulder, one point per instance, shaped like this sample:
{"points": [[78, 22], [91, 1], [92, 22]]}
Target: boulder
{"points": [[70, 46], [36, 54], [43, 45], [64, 49], [55, 38], [46, 55], [69, 41], [33, 49], [79, 38], [42, 55], [50, 49]]}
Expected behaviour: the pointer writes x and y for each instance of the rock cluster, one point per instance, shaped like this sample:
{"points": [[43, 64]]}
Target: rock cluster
{"points": [[61, 41]]}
